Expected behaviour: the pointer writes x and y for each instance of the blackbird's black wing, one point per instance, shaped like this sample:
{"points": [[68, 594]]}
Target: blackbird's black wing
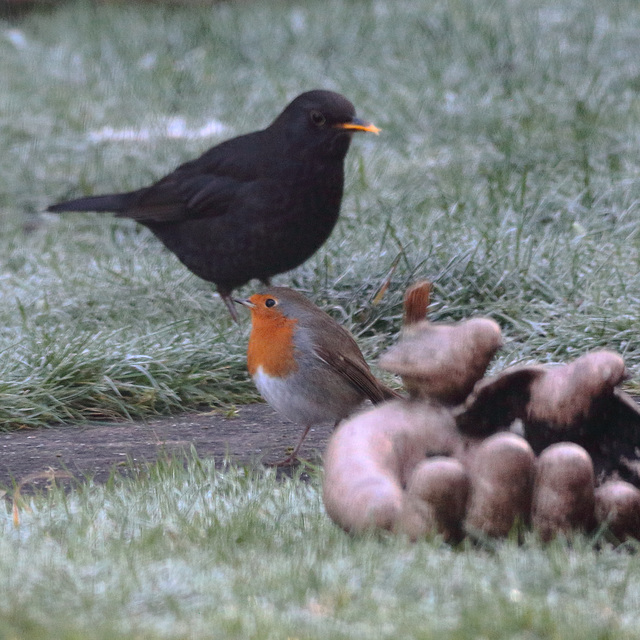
{"points": [[208, 186], [178, 198]]}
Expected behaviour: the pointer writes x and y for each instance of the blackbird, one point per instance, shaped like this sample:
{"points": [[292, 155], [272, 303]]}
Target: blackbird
{"points": [[252, 206]]}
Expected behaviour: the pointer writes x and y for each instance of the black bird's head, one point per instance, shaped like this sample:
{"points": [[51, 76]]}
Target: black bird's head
{"points": [[323, 121]]}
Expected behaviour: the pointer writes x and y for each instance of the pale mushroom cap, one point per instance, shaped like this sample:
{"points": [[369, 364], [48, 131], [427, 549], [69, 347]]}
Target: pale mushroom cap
{"points": [[443, 362], [566, 393], [371, 455], [436, 499], [563, 494], [618, 505], [502, 471]]}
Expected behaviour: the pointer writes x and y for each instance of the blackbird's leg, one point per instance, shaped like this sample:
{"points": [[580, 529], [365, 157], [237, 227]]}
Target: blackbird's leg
{"points": [[228, 300]]}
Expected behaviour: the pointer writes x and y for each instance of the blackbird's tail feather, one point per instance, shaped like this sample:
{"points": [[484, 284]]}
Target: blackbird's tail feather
{"points": [[115, 202]]}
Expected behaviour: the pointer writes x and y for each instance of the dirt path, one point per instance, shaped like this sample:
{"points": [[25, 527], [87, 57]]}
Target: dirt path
{"points": [[254, 434]]}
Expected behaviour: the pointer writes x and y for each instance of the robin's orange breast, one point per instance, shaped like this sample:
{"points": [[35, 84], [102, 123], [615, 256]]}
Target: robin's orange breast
{"points": [[271, 346]]}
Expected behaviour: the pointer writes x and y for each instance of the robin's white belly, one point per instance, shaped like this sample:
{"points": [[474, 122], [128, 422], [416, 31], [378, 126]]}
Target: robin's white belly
{"points": [[292, 402]]}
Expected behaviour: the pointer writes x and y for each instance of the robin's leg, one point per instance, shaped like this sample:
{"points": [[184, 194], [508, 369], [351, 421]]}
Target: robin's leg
{"points": [[293, 456]]}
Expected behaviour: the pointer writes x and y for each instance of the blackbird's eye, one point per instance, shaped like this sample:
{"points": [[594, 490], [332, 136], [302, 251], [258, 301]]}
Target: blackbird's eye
{"points": [[269, 302], [317, 118]]}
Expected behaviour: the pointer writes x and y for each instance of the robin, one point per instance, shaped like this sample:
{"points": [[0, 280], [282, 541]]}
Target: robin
{"points": [[304, 364], [253, 206]]}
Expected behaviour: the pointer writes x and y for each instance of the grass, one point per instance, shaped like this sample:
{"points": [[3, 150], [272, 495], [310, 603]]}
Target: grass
{"points": [[506, 173], [197, 553]]}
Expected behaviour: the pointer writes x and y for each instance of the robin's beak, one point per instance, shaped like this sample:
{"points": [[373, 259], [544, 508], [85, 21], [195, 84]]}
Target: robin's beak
{"points": [[244, 303], [356, 124]]}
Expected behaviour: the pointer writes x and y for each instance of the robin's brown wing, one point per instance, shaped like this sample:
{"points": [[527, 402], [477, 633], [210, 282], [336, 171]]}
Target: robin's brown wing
{"points": [[355, 372], [342, 354]]}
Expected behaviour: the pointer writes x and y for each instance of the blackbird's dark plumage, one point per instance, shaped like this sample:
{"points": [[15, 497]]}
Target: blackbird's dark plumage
{"points": [[253, 206]]}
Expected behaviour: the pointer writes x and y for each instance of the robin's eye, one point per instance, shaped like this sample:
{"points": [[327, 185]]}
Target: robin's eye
{"points": [[269, 302], [317, 118]]}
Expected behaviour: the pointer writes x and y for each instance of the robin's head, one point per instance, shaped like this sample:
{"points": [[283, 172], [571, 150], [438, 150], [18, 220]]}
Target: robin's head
{"points": [[323, 120], [278, 305], [274, 321]]}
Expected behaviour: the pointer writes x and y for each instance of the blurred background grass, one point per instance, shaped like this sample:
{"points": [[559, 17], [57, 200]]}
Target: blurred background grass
{"points": [[506, 173]]}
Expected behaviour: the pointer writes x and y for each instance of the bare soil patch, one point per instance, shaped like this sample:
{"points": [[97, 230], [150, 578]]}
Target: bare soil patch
{"points": [[254, 435]]}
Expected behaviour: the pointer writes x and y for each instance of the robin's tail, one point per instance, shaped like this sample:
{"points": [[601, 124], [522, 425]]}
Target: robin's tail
{"points": [[116, 202], [386, 393]]}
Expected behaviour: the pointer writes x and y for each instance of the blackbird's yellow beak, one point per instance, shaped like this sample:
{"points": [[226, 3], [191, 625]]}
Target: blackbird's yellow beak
{"points": [[358, 125]]}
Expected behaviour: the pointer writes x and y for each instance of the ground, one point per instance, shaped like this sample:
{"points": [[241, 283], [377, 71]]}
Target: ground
{"points": [[253, 434]]}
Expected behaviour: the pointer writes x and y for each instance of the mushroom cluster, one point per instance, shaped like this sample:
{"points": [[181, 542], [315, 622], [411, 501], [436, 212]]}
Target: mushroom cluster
{"points": [[555, 448]]}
